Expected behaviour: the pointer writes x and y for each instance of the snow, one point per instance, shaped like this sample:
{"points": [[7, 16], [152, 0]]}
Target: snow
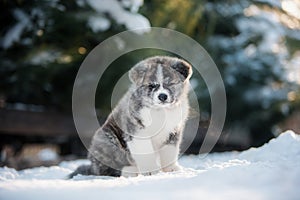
{"points": [[134, 5], [291, 7], [292, 67], [267, 172], [44, 57], [14, 34], [259, 25], [275, 3], [98, 23], [131, 20], [265, 95], [47, 155]]}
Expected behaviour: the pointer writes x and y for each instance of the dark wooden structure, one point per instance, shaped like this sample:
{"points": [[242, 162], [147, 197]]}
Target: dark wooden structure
{"points": [[19, 128], [14, 122]]}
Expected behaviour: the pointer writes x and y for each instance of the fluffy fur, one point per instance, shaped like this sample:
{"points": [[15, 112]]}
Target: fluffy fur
{"points": [[143, 133]]}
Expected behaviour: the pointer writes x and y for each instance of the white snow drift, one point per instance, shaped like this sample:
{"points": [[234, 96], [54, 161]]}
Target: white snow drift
{"points": [[269, 172]]}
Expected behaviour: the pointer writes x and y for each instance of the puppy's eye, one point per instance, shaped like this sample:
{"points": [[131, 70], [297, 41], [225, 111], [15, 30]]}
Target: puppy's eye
{"points": [[152, 86]]}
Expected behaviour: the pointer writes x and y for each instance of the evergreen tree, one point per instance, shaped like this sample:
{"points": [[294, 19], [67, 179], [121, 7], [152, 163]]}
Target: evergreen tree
{"points": [[255, 44], [250, 41], [43, 44]]}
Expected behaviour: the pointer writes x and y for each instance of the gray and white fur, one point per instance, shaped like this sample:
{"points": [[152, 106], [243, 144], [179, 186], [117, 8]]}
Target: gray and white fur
{"points": [[142, 135]]}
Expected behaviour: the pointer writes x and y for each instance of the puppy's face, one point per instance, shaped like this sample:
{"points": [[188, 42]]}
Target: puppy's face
{"points": [[161, 81]]}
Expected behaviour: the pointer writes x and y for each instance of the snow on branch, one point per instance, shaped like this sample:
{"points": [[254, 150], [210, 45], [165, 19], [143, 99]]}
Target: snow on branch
{"points": [[117, 10]]}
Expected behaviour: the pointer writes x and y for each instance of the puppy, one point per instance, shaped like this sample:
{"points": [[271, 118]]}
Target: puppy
{"points": [[142, 135]]}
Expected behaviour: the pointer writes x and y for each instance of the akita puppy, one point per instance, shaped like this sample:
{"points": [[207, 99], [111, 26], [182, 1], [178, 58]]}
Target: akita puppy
{"points": [[142, 135]]}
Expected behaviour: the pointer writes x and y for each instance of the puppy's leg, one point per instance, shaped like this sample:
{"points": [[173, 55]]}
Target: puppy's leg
{"points": [[145, 158], [168, 157]]}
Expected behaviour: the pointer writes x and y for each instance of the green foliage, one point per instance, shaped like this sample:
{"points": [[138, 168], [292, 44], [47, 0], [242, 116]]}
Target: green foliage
{"points": [[40, 66], [237, 35], [181, 15]]}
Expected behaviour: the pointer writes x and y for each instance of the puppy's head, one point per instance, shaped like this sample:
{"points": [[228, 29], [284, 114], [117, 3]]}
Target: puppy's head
{"points": [[161, 81]]}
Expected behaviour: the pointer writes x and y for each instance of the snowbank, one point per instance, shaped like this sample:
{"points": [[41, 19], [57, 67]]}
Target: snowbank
{"points": [[269, 172]]}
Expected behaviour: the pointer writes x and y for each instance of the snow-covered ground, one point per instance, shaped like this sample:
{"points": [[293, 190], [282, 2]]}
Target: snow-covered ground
{"points": [[269, 172]]}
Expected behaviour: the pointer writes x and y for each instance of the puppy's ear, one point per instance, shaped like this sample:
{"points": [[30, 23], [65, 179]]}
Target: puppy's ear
{"points": [[137, 73], [184, 69]]}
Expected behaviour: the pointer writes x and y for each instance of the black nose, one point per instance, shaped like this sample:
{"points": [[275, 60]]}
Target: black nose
{"points": [[163, 97]]}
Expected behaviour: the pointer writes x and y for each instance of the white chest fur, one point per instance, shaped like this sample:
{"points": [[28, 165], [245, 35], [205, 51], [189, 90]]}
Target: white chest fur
{"points": [[159, 123], [148, 145]]}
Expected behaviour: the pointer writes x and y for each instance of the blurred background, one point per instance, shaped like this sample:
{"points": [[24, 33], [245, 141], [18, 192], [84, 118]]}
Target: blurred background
{"points": [[255, 44]]}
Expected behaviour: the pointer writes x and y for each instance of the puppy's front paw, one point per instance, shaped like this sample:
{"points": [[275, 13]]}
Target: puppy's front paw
{"points": [[172, 168], [130, 171]]}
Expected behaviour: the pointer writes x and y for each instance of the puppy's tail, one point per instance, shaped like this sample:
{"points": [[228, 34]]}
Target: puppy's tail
{"points": [[83, 170]]}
